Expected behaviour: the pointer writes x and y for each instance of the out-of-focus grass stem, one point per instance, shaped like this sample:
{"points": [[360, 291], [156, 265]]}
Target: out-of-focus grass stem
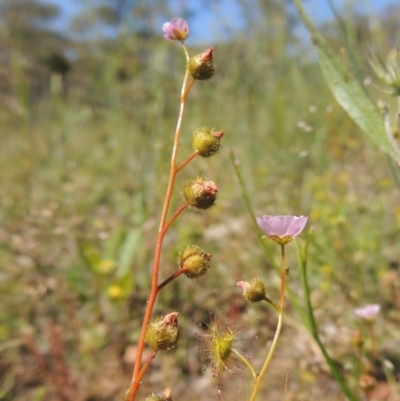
{"points": [[312, 324]]}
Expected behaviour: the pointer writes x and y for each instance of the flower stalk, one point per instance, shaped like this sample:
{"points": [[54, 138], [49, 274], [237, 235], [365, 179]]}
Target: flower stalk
{"points": [[138, 371], [259, 378]]}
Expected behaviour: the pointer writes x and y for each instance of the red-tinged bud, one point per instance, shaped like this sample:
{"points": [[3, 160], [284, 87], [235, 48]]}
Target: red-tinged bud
{"points": [[253, 290], [206, 141], [195, 261], [163, 334], [367, 382], [357, 339], [200, 193], [201, 66]]}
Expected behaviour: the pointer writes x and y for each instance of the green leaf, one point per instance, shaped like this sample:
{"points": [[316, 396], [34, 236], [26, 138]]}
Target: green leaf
{"points": [[130, 249], [113, 244], [348, 92]]}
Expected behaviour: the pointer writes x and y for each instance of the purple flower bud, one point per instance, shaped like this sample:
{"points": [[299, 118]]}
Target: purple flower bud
{"points": [[176, 29], [368, 312], [282, 229]]}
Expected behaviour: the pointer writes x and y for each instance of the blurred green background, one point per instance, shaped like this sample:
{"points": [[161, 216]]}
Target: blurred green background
{"points": [[87, 118]]}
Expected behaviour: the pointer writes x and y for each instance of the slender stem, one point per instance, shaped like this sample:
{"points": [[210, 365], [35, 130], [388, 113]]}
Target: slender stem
{"points": [[246, 362], [135, 383], [174, 216], [236, 166], [312, 326], [271, 302], [191, 157], [284, 272], [147, 364], [169, 279], [372, 334]]}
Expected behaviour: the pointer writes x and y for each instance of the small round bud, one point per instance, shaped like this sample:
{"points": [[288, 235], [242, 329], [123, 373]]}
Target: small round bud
{"points": [[357, 339], [200, 193], [367, 382], [195, 261], [201, 66], [253, 290], [163, 333], [206, 141]]}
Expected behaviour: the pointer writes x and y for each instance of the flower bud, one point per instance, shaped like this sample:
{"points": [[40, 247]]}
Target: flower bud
{"points": [[253, 290], [357, 339], [367, 382], [195, 261], [163, 333], [206, 141], [201, 66], [200, 193], [176, 29]]}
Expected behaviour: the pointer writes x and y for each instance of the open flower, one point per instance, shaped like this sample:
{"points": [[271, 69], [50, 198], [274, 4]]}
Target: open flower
{"points": [[368, 312], [176, 29], [282, 229]]}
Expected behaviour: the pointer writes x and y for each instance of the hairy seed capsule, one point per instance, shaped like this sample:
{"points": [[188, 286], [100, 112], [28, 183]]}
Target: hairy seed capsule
{"points": [[195, 261], [200, 193], [206, 141], [201, 66], [253, 290], [163, 334]]}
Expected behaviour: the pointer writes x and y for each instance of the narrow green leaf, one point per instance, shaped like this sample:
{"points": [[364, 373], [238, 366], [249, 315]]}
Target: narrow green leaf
{"points": [[348, 92], [130, 249], [114, 243]]}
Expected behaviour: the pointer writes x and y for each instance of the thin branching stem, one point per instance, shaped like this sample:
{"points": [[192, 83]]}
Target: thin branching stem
{"points": [[169, 279], [147, 364], [174, 217], [271, 302], [138, 370], [246, 362], [236, 166], [284, 272], [191, 157], [371, 327]]}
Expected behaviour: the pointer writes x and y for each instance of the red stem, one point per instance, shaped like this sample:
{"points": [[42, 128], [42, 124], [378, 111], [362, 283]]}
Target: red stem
{"points": [[137, 371], [173, 277], [174, 216], [191, 157], [147, 364]]}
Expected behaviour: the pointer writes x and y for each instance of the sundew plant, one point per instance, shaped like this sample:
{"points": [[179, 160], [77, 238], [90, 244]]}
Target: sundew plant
{"points": [[288, 232], [212, 214]]}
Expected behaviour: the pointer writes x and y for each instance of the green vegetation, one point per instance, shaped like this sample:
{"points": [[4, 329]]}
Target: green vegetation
{"points": [[86, 131]]}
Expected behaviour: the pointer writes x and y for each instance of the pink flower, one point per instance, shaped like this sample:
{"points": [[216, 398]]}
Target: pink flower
{"points": [[282, 229], [176, 29], [368, 312]]}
